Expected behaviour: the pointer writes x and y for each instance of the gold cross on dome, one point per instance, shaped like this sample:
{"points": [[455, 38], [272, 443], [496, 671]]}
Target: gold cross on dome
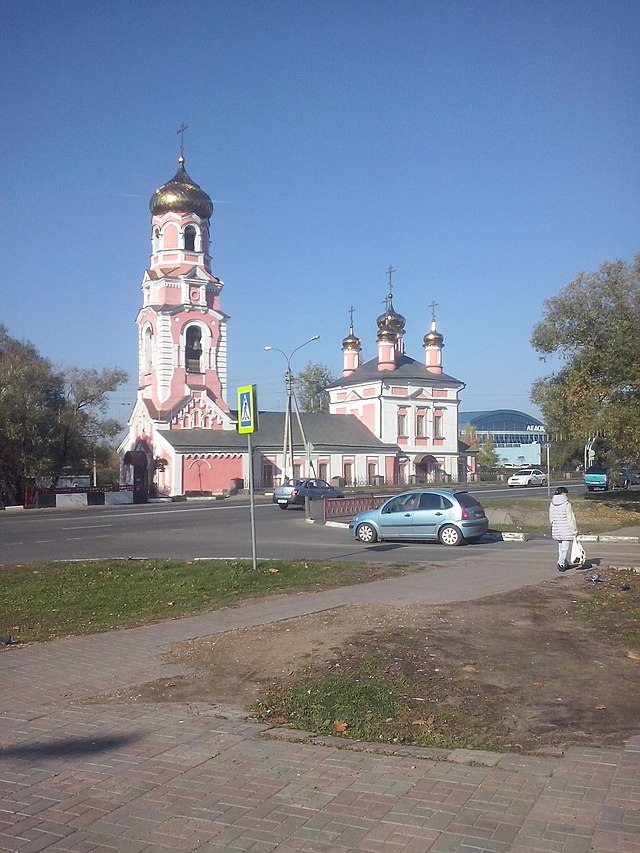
{"points": [[181, 131]]}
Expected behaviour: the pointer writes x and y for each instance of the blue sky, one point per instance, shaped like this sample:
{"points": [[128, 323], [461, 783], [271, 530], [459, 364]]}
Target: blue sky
{"points": [[487, 150]]}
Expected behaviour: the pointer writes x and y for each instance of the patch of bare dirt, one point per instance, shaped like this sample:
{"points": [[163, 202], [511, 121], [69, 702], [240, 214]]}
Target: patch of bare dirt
{"points": [[519, 659]]}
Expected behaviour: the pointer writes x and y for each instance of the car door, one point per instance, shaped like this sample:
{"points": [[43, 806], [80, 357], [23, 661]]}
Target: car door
{"points": [[396, 517], [428, 517]]}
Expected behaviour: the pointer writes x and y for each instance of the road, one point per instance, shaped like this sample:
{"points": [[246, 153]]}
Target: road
{"points": [[201, 529]]}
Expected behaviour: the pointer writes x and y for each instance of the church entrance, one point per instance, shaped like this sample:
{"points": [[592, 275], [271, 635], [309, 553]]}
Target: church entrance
{"points": [[428, 470]]}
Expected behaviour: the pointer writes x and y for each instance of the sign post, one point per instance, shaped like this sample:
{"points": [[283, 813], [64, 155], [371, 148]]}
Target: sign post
{"points": [[547, 445], [248, 424]]}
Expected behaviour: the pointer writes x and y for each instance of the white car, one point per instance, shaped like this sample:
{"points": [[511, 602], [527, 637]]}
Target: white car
{"points": [[528, 477]]}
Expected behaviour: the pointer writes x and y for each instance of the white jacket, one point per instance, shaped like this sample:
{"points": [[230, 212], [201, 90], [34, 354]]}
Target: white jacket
{"points": [[562, 519]]}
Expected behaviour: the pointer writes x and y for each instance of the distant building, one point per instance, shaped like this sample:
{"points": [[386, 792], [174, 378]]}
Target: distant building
{"points": [[517, 437]]}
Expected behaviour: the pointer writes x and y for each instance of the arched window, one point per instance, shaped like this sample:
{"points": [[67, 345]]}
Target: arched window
{"points": [[156, 239], [148, 349], [193, 349], [190, 238]]}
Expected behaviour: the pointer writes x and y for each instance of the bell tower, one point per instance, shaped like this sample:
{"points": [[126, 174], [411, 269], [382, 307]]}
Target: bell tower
{"points": [[182, 330]]}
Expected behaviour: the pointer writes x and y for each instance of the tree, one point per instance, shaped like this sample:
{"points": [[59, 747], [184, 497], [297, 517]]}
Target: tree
{"points": [[470, 437], [311, 387], [487, 456], [50, 419], [593, 326]]}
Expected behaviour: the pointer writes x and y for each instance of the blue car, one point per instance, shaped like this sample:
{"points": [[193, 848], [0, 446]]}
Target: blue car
{"points": [[442, 515]]}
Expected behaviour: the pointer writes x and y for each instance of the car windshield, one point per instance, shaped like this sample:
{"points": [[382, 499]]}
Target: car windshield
{"points": [[595, 469]]}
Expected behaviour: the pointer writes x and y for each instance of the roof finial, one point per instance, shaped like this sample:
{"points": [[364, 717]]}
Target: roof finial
{"points": [[181, 131], [390, 271], [351, 312], [433, 305]]}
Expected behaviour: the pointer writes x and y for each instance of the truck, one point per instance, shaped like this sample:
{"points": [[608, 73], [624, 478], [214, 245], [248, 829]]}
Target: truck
{"points": [[597, 477]]}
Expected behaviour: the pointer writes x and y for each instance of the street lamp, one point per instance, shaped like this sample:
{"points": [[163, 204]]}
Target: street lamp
{"points": [[287, 445]]}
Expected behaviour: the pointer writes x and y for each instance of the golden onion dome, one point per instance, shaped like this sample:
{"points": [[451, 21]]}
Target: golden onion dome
{"points": [[352, 342], [391, 320], [433, 338], [182, 195]]}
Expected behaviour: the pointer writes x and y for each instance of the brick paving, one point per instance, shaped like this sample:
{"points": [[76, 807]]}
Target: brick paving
{"points": [[80, 778]]}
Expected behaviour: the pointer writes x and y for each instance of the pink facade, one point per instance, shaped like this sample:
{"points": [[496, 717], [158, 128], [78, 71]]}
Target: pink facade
{"points": [[182, 344]]}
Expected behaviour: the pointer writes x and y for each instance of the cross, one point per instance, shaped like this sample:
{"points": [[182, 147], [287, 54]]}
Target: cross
{"points": [[351, 310], [433, 305], [390, 272], [181, 131]]}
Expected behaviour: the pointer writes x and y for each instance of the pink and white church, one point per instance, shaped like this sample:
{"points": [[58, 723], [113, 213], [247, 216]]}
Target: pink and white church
{"points": [[391, 419]]}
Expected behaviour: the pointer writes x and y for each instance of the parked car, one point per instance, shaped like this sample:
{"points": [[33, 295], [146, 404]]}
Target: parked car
{"points": [[629, 477], [597, 477], [445, 515], [293, 494], [528, 477]]}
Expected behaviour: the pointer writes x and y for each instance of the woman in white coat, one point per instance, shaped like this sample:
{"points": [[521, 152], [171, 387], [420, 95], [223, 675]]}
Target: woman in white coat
{"points": [[563, 525]]}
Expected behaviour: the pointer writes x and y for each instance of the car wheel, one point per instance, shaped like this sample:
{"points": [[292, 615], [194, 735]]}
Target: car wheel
{"points": [[589, 488], [528, 483], [543, 482], [450, 535], [510, 485], [366, 533], [283, 506]]}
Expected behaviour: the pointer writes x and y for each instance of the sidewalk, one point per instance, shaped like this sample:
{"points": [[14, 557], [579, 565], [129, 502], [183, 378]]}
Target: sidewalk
{"points": [[94, 777]]}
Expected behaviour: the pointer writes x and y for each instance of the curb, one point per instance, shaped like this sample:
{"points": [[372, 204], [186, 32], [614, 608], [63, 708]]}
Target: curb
{"points": [[513, 536]]}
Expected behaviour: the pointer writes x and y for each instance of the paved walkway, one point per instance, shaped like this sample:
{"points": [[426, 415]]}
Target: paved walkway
{"points": [[76, 777]]}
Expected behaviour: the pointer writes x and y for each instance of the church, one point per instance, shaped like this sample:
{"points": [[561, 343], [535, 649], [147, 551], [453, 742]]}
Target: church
{"points": [[392, 419]]}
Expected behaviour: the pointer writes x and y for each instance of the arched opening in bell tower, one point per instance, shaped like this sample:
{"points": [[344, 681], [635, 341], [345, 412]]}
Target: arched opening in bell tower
{"points": [[193, 349], [190, 238]]}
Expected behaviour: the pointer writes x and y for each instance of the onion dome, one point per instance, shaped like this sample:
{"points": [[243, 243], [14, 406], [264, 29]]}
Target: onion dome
{"points": [[391, 320], [351, 342], [433, 338], [181, 195]]}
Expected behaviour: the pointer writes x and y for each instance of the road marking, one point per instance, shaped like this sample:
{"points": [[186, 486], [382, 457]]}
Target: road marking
{"points": [[87, 526]]}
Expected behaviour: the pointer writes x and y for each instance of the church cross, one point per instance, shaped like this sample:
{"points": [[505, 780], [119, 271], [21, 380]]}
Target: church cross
{"points": [[433, 305], [351, 310], [181, 131], [390, 272]]}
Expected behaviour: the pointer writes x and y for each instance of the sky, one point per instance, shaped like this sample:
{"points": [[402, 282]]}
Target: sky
{"points": [[487, 150]]}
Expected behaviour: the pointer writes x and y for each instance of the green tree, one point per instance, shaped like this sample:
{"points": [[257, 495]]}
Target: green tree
{"points": [[593, 326], [50, 419], [311, 387], [487, 456]]}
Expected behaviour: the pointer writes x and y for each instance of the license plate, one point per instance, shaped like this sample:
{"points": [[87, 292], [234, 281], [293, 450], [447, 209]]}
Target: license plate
{"points": [[282, 501]]}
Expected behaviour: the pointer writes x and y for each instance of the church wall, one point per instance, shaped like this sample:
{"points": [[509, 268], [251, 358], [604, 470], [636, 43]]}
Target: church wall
{"points": [[211, 473]]}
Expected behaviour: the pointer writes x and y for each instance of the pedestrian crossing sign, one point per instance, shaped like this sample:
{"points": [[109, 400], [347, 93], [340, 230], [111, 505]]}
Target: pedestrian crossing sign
{"points": [[247, 409]]}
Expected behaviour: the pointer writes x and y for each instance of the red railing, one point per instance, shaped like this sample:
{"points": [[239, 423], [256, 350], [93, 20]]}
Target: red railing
{"points": [[345, 508]]}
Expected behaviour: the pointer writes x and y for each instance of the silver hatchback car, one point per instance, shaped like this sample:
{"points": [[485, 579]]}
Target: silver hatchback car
{"points": [[445, 515]]}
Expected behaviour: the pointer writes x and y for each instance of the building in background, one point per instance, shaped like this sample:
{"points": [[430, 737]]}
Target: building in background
{"points": [[518, 438]]}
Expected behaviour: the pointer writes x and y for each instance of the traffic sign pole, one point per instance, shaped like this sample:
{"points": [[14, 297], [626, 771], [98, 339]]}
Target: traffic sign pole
{"points": [[247, 424]]}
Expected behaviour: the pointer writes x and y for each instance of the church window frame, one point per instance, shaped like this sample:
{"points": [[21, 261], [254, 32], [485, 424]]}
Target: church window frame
{"points": [[193, 350], [147, 349], [189, 236]]}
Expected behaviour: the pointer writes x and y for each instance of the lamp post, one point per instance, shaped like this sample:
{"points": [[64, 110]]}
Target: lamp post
{"points": [[287, 445]]}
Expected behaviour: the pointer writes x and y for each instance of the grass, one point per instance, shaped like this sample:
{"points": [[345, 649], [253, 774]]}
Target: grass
{"points": [[46, 601], [361, 697], [596, 512], [612, 608]]}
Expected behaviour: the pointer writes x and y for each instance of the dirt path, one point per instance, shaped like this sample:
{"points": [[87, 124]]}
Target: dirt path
{"points": [[520, 660]]}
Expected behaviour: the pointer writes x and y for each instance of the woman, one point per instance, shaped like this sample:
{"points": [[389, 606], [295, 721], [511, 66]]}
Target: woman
{"points": [[563, 525]]}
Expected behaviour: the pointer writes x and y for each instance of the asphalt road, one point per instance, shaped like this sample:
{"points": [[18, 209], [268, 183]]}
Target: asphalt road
{"points": [[214, 529]]}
